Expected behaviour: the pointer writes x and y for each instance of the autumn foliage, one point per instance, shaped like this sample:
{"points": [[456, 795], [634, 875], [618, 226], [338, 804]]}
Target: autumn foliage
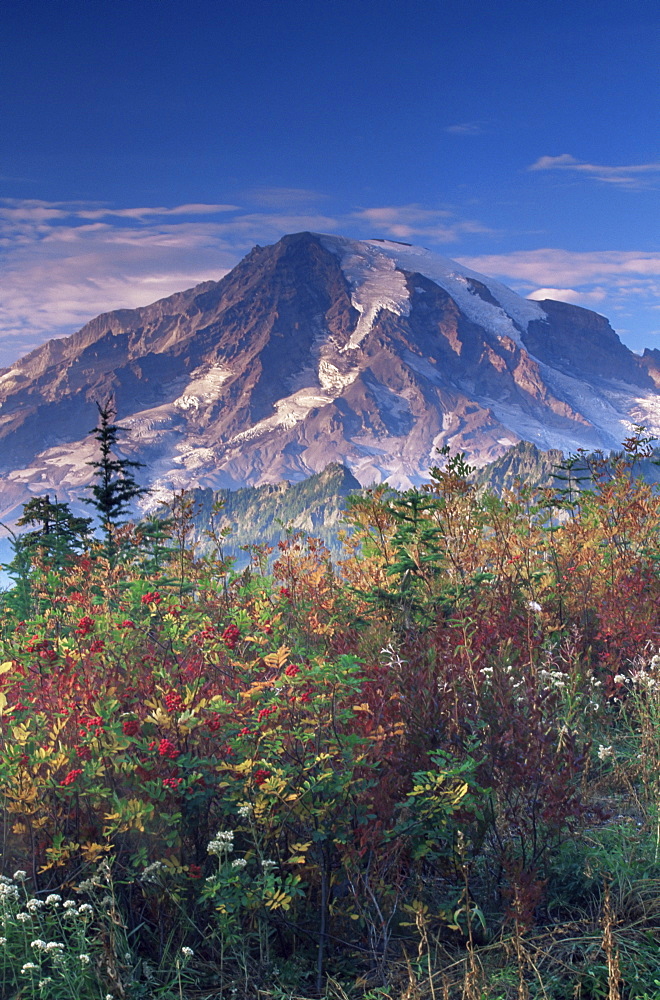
{"points": [[389, 746]]}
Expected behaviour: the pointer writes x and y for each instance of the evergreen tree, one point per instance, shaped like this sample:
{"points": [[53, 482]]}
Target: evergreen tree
{"points": [[115, 485], [58, 534], [40, 556]]}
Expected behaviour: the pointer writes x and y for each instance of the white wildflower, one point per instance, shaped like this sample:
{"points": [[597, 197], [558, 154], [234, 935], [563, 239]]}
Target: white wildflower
{"points": [[85, 910], [45, 982], [604, 753], [70, 904], [54, 946], [53, 899], [38, 944], [534, 606], [245, 810], [84, 959], [393, 658], [8, 892], [268, 865], [620, 678], [33, 905], [222, 843], [20, 875], [187, 952], [150, 873], [28, 967], [23, 917], [239, 863], [3, 940]]}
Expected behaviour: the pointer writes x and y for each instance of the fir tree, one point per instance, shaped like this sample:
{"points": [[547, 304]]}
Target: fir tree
{"points": [[58, 534], [115, 486]]}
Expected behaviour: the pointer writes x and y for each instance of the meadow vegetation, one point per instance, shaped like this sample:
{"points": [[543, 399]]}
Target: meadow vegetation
{"points": [[427, 769]]}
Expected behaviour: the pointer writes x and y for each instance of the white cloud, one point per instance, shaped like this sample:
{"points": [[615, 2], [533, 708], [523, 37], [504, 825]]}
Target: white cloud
{"points": [[627, 176], [284, 197], [565, 268], [466, 128], [407, 222], [616, 283], [569, 295], [65, 262]]}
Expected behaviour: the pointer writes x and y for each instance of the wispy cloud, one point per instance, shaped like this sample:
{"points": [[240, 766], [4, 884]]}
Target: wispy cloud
{"points": [[608, 280], [466, 128], [632, 176], [564, 267], [284, 197], [405, 222], [65, 262]]}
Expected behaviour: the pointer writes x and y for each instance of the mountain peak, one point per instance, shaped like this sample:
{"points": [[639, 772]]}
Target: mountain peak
{"points": [[318, 349]]}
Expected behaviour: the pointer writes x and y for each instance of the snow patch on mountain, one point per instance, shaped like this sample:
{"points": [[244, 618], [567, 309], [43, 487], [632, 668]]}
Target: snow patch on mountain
{"points": [[373, 269], [204, 386], [290, 410], [374, 280], [331, 378]]}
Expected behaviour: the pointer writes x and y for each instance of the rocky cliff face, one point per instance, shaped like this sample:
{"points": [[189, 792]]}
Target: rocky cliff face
{"points": [[316, 350]]}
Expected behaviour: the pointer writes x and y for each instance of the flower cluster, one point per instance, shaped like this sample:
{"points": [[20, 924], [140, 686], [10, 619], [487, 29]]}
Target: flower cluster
{"points": [[222, 843]]}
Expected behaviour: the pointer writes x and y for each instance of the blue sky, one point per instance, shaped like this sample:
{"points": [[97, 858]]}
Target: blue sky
{"points": [[148, 144]]}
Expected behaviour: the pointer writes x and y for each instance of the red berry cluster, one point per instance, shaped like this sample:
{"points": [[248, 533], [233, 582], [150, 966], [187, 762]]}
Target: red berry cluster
{"points": [[71, 776], [92, 726], [153, 597], [230, 636], [173, 701], [260, 776], [292, 670], [85, 625], [265, 712], [167, 749], [172, 782], [131, 727]]}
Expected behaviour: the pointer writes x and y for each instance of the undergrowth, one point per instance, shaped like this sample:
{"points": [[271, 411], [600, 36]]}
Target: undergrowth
{"points": [[430, 769]]}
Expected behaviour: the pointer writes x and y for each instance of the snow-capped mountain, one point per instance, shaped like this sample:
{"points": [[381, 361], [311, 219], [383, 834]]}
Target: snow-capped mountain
{"points": [[321, 349]]}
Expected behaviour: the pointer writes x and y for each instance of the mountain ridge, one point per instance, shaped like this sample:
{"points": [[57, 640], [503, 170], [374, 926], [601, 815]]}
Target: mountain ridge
{"points": [[314, 350]]}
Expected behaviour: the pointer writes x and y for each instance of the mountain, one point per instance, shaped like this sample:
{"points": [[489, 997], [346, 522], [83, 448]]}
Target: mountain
{"points": [[320, 349], [265, 514]]}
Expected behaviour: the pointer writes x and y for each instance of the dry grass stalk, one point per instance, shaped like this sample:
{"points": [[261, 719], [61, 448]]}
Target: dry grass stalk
{"points": [[610, 948]]}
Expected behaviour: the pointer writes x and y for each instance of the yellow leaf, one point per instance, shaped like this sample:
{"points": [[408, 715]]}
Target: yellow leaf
{"points": [[277, 660], [159, 717], [91, 852], [364, 707], [6, 667], [20, 734]]}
